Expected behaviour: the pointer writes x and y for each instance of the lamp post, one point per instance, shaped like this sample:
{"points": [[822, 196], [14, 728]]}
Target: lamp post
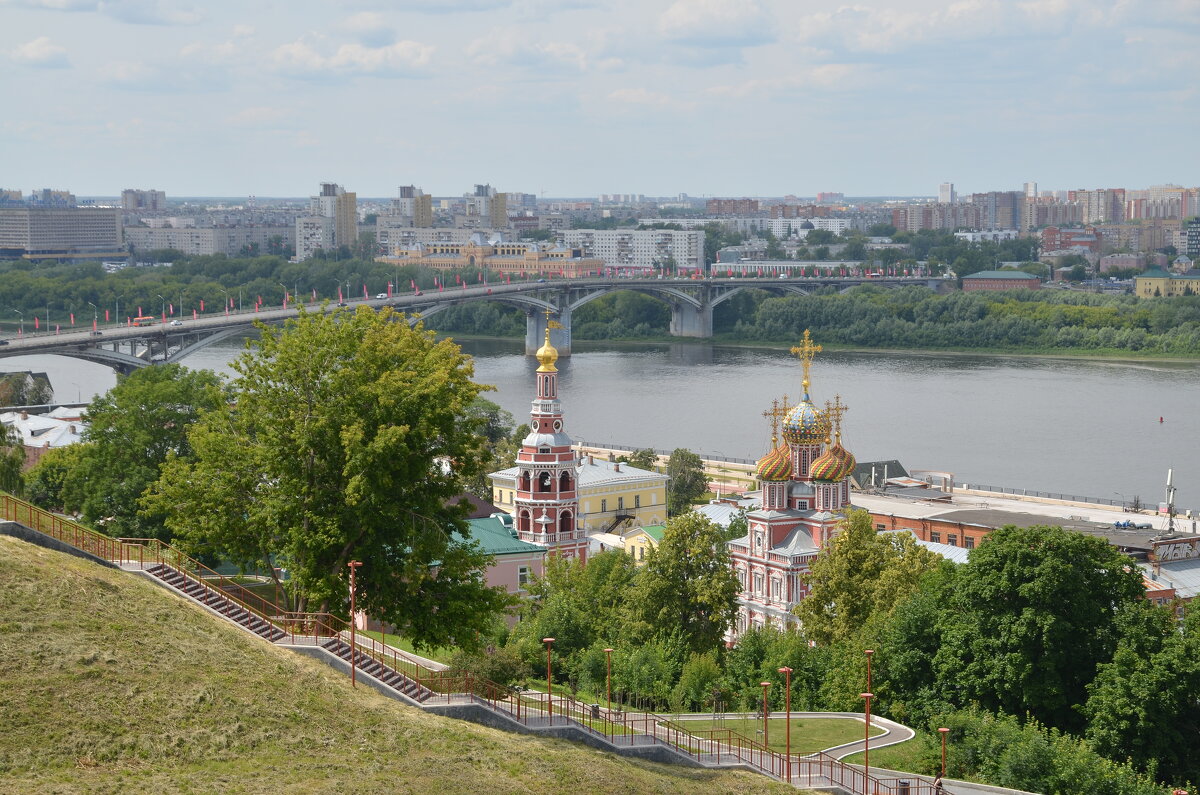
{"points": [[285, 293], [117, 311], [867, 740], [869, 652], [95, 315], [21, 328], [549, 686], [227, 300], [787, 700], [766, 714], [943, 731], [608, 677], [353, 565], [164, 306]]}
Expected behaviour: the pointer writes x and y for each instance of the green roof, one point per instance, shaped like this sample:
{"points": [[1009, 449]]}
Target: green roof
{"points": [[1021, 275], [496, 539], [655, 531], [1154, 273]]}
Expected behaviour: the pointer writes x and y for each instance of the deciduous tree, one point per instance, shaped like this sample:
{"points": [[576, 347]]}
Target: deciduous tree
{"points": [[346, 440], [687, 480]]}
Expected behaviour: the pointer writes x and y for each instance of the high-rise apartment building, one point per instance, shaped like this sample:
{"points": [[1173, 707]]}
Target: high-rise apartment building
{"points": [[731, 206], [946, 193], [332, 221], [133, 200], [1031, 190], [414, 205], [1101, 206], [999, 209], [1192, 239]]}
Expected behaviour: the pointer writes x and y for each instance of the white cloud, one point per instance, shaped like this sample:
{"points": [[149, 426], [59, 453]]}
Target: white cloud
{"points": [[136, 12], [243, 31], [645, 98], [260, 116], [716, 23], [42, 53], [370, 28], [403, 58]]}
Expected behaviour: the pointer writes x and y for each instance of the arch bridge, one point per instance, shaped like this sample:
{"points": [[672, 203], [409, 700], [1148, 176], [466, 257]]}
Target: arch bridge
{"points": [[691, 301]]}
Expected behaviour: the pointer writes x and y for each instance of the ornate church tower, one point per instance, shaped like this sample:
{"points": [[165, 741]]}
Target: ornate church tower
{"points": [[805, 427], [831, 472], [546, 502]]}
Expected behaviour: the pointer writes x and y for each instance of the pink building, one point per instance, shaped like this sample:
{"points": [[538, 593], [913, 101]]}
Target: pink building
{"points": [[805, 487]]}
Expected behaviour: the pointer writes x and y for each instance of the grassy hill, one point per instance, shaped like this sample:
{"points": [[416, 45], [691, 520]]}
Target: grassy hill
{"points": [[110, 684]]}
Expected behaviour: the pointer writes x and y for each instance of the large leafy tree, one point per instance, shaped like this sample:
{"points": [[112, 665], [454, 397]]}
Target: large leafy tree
{"points": [[1144, 705], [346, 440], [132, 429], [1031, 615], [686, 480], [858, 574], [687, 585], [12, 459]]}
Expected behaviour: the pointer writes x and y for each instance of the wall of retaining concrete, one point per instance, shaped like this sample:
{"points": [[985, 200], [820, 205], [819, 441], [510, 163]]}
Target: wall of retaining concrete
{"points": [[42, 540]]}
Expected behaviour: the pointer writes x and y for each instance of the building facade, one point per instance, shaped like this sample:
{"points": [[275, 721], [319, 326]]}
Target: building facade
{"points": [[332, 221], [230, 240], [639, 249], [1000, 280], [497, 255], [49, 232]]}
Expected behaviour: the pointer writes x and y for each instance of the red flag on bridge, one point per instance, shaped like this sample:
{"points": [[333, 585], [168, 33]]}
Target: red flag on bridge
{"points": [[72, 318], [105, 315], [201, 304], [93, 322], [364, 291], [172, 312], [55, 328], [194, 314], [35, 322]]}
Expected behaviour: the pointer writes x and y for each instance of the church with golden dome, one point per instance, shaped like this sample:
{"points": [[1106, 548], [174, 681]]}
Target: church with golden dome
{"points": [[805, 483]]}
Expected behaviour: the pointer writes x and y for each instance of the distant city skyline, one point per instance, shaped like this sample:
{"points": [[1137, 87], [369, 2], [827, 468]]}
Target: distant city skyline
{"points": [[573, 98]]}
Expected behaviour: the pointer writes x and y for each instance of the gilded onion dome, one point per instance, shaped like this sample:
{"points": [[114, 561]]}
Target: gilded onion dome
{"points": [[835, 464], [776, 465], [805, 424], [547, 355]]}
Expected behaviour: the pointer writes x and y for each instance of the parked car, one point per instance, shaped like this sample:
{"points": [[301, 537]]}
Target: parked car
{"points": [[175, 323]]}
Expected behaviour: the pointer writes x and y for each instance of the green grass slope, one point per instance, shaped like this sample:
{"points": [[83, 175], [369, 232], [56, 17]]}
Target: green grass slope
{"points": [[110, 684]]}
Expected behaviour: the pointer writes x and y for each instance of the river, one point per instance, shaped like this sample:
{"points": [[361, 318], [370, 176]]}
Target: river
{"points": [[1075, 426]]}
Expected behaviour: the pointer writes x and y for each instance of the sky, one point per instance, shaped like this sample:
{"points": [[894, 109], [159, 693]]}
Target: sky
{"points": [[581, 97]]}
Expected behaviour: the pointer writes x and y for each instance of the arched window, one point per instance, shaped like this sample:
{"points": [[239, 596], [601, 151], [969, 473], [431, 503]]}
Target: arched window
{"points": [[545, 482], [565, 522], [523, 522], [564, 482], [524, 482]]}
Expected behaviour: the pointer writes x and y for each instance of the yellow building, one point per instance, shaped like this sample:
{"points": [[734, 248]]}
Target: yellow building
{"points": [[498, 256], [1156, 283], [640, 540], [612, 496]]}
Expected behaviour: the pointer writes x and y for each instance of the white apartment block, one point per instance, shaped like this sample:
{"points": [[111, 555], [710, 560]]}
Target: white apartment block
{"points": [[639, 248], [202, 241], [780, 227]]}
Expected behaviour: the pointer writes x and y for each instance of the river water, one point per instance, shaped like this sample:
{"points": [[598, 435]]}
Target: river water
{"points": [[1071, 426]]}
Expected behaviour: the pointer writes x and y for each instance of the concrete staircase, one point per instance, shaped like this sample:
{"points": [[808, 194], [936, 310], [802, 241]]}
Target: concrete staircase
{"points": [[216, 600], [384, 673]]}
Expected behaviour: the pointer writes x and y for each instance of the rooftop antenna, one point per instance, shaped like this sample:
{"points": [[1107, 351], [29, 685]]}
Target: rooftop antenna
{"points": [[1170, 502]]}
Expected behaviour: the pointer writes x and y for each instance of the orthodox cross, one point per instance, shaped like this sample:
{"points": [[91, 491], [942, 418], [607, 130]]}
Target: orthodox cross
{"points": [[552, 323], [775, 415], [805, 351], [833, 414]]}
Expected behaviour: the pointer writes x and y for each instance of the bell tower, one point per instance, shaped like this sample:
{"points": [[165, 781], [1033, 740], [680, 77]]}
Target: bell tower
{"points": [[546, 503]]}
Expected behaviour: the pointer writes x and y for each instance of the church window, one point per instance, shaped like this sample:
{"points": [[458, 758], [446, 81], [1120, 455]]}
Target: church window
{"points": [[758, 584], [544, 450], [564, 482], [544, 481]]}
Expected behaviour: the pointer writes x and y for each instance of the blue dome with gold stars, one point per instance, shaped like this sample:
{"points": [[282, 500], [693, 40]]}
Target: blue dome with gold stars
{"points": [[805, 424]]}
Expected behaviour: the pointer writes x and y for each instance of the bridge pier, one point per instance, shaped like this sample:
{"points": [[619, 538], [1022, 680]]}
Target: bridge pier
{"points": [[690, 321], [535, 331]]}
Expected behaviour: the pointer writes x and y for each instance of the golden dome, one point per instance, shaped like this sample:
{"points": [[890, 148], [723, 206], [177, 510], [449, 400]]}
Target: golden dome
{"points": [[547, 355]]}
